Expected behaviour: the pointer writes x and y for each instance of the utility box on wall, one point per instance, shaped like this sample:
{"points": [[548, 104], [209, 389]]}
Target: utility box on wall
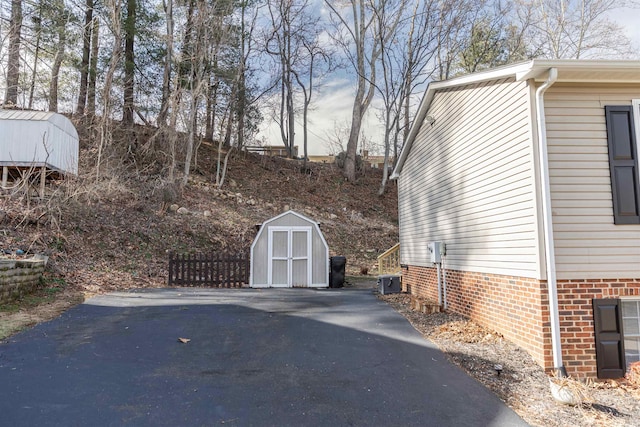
{"points": [[436, 251]]}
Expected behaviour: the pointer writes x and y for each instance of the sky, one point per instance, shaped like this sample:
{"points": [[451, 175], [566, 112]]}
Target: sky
{"points": [[333, 103], [331, 108], [629, 19]]}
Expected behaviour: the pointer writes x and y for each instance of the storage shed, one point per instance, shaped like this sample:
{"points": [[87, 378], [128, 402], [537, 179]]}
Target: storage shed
{"points": [[37, 139], [289, 251]]}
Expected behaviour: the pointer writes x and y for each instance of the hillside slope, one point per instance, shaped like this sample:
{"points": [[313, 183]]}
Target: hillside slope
{"points": [[116, 233]]}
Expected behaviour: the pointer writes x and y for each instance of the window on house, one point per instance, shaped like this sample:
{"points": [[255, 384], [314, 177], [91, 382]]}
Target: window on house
{"points": [[631, 330], [623, 129]]}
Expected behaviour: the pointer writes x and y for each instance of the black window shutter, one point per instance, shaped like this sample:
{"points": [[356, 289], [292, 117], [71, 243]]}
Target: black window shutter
{"points": [[623, 163], [607, 319]]}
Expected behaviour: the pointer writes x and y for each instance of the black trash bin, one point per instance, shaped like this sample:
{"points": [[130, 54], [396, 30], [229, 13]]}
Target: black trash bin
{"points": [[337, 271]]}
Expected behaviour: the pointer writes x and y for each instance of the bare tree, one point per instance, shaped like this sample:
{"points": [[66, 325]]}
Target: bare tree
{"points": [[246, 98], [391, 88], [431, 24], [198, 34], [168, 62], [358, 40], [86, 50], [93, 69], [61, 22], [282, 43], [574, 29], [313, 57], [114, 9], [407, 61], [37, 27], [13, 66], [129, 62], [205, 29]]}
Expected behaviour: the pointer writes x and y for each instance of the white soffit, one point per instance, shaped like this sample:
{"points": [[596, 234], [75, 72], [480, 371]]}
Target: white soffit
{"points": [[579, 71]]}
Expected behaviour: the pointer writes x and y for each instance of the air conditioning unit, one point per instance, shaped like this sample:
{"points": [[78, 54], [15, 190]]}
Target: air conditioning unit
{"points": [[389, 284]]}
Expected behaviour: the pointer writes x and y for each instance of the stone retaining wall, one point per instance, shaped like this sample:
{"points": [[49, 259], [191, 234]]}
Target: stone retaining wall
{"points": [[19, 277]]}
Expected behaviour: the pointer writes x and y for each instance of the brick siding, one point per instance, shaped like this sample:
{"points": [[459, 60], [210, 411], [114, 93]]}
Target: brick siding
{"points": [[517, 307], [576, 318]]}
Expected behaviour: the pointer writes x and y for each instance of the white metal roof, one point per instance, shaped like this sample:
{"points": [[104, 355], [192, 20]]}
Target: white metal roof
{"points": [[25, 115], [569, 71]]}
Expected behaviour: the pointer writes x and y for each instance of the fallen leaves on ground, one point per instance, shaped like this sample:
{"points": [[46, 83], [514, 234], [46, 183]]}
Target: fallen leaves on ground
{"points": [[522, 384]]}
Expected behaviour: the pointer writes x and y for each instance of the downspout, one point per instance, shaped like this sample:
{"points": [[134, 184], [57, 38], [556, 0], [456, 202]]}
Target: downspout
{"points": [[444, 286], [552, 286], [439, 284]]}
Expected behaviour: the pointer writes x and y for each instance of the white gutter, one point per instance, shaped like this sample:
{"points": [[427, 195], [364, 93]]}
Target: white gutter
{"points": [[552, 286]]}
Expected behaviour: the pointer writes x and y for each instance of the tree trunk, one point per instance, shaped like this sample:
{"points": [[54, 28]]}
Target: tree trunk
{"points": [[208, 125], [173, 136], [86, 50], [242, 98], [129, 63], [36, 55], [193, 123], [352, 144], [93, 70], [13, 65], [105, 127], [290, 117], [57, 63], [387, 145], [187, 60], [166, 76], [305, 127], [364, 94], [242, 77], [229, 127]]}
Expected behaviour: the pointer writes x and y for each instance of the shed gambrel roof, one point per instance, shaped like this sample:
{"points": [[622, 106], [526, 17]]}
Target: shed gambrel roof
{"points": [[569, 71]]}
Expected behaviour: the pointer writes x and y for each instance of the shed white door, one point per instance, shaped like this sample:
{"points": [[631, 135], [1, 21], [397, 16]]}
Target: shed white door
{"points": [[289, 256]]}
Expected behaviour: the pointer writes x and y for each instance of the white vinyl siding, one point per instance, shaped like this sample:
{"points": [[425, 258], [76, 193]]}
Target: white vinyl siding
{"points": [[588, 245], [469, 181]]}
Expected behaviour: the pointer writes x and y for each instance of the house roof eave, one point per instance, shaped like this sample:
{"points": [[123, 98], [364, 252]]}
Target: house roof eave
{"points": [[433, 87], [569, 71]]}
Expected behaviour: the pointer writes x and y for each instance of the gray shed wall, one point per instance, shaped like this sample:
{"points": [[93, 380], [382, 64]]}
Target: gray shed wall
{"points": [[318, 250]]}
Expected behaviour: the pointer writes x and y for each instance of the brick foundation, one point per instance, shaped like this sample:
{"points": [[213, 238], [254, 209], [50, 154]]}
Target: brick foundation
{"points": [[517, 308], [576, 318], [19, 277]]}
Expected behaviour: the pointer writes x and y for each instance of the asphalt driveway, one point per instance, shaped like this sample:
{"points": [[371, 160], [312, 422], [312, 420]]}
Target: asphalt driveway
{"points": [[286, 357]]}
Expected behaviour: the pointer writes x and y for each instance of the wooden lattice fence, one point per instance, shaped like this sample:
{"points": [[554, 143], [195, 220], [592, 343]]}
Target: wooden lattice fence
{"points": [[216, 270]]}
